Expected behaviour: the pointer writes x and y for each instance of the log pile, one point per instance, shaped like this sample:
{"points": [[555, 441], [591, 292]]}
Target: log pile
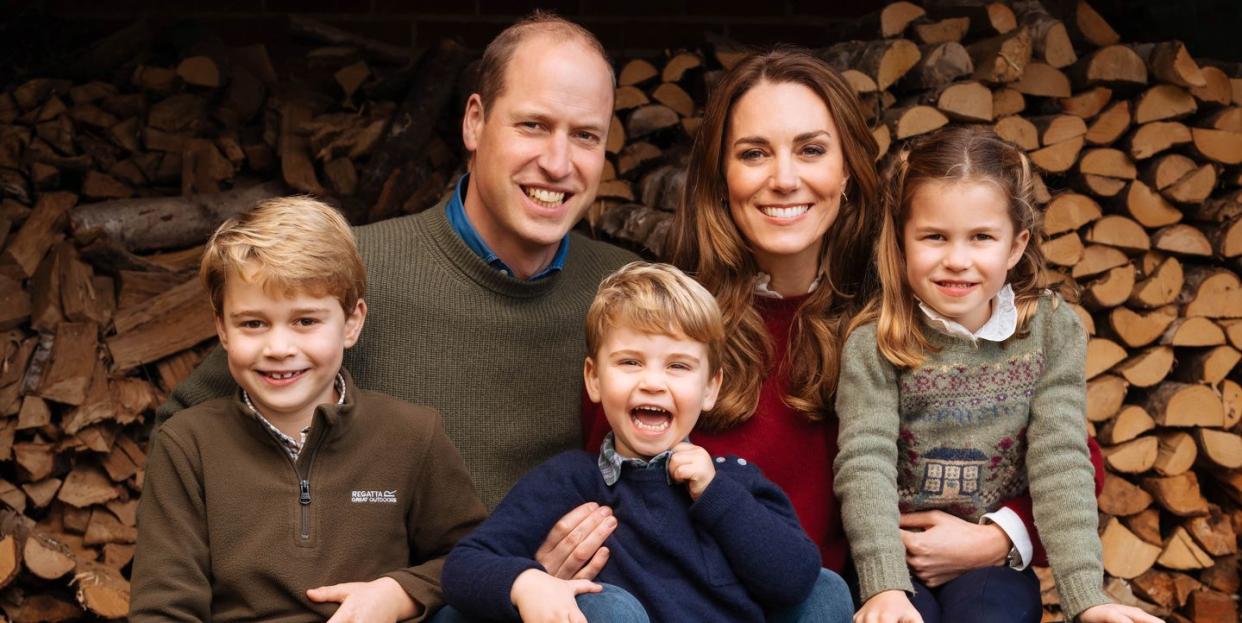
{"points": [[111, 180]]}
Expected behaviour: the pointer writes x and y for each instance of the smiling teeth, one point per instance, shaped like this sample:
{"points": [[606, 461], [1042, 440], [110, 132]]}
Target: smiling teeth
{"points": [[655, 428], [788, 212], [280, 376], [547, 198]]}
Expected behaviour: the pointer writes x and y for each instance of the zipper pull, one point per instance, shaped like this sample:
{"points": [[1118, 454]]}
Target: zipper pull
{"points": [[304, 496]]}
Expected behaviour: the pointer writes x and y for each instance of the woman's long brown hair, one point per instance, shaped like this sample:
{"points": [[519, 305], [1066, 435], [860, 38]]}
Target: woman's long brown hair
{"points": [[705, 242]]}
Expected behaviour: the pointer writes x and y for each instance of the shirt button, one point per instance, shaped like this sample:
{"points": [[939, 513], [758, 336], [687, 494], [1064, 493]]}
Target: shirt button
{"points": [[741, 461], [720, 459]]}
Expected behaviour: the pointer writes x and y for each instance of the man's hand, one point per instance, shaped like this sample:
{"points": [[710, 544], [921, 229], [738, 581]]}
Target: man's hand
{"points": [[377, 600], [948, 546], [692, 465], [888, 607], [541, 598], [1116, 613], [573, 549]]}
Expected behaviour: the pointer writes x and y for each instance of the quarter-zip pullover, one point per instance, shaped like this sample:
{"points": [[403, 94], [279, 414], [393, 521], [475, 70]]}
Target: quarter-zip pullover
{"points": [[232, 528]]}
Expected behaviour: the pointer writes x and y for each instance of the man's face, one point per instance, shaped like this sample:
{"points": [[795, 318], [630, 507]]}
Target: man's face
{"points": [[539, 148]]}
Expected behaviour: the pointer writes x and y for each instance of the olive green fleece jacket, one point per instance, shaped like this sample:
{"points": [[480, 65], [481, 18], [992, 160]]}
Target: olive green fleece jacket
{"points": [[230, 528], [501, 358], [968, 428]]}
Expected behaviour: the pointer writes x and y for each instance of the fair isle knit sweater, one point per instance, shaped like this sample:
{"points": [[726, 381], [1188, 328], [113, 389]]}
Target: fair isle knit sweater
{"points": [[499, 357], [961, 433]]}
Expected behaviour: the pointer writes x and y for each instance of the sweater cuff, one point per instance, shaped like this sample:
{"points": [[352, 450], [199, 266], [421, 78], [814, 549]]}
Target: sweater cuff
{"points": [[882, 573], [717, 499], [1081, 591], [426, 595]]}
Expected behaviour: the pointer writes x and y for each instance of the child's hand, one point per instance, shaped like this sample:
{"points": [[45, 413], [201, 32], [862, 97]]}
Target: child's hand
{"points": [[692, 465], [541, 598], [888, 607], [378, 600], [1116, 613]]}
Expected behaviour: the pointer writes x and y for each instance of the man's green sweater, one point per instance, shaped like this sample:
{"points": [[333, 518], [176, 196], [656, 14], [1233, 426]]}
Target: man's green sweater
{"points": [[967, 429], [500, 358]]}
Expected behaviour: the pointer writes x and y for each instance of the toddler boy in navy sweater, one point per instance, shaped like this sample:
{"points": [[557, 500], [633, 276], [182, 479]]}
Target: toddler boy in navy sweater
{"points": [[698, 539]]}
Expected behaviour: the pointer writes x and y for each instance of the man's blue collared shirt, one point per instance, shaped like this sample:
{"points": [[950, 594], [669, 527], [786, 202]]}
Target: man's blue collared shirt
{"points": [[456, 209]]}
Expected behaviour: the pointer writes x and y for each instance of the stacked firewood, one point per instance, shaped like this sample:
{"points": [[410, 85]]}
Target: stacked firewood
{"points": [[111, 181]]}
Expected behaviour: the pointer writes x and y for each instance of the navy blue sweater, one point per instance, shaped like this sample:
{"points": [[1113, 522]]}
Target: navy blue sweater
{"points": [[736, 551]]}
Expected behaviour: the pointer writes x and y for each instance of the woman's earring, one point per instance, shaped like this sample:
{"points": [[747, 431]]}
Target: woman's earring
{"points": [[845, 197]]}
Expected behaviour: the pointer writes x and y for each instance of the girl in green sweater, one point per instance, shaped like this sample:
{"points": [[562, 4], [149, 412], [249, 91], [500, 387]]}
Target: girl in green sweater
{"points": [[962, 386]]}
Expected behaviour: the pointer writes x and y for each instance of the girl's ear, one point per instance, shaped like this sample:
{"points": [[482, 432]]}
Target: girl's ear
{"points": [[1019, 247]]}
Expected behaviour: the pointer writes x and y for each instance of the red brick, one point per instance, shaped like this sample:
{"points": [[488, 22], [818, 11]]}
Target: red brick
{"points": [[518, 8], [623, 8], [473, 33], [729, 8], [426, 7], [647, 35], [838, 9], [811, 36], [318, 6], [397, 31]]}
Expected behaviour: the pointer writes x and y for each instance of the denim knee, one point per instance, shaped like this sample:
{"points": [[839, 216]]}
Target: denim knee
{"points": [[612, 605], [829, 602]]}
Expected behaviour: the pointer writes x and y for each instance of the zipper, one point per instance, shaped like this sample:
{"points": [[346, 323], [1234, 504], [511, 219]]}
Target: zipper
{"points": [[304, 499], [304, 487]]}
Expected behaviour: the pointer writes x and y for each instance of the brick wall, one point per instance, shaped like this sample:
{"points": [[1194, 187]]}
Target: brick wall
{"points": [[626, 27]]}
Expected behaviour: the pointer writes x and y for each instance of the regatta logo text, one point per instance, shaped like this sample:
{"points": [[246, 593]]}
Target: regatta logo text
{"points": [[373, 497]]}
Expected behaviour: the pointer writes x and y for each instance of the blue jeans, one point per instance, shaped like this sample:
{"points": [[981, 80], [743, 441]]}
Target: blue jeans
{"points": [[613, 604], [987, 595], [830, 602]]}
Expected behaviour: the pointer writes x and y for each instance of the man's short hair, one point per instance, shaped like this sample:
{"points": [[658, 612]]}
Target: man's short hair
{"points": [[500, 51], [286, 245], [659, 299]]}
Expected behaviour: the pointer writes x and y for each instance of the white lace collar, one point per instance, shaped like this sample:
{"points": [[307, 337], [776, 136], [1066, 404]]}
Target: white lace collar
{"points": [[1000, 326], [764, 280]]}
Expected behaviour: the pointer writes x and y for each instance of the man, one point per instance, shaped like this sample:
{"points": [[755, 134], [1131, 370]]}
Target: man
{"points": [[477, 305]]}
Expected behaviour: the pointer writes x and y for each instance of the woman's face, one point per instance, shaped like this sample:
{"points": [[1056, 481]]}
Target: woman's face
{"points": [[785, 172]]}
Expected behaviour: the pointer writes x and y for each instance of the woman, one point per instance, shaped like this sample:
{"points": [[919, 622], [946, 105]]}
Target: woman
{"points": [[777, 221]]}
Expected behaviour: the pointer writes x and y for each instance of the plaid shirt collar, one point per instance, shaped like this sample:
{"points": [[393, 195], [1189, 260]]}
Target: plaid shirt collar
{"points": [[610, 462], [291, 446]]}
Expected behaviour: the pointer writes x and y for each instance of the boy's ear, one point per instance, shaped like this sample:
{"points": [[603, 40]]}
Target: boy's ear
{"points": [[220, 333], [591, 379], [1019, 247], [354, 322], [713, 390]]}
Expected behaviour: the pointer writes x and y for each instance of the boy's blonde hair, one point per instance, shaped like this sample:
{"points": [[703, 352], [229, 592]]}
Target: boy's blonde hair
{"points": [[286, 244], [656, 298]]}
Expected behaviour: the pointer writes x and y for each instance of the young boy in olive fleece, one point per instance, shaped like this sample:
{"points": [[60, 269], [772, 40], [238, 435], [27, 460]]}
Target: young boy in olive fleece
{"points": [[301, 496]]}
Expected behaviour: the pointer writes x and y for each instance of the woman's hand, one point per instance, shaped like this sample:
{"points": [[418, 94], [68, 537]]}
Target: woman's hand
{"points": [[940, 547], [574, 548], [541, 598], [888, 607], [1116, 613]]}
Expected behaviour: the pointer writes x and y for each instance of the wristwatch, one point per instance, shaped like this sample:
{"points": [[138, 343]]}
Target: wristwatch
{"points": [[1014, 559]]}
